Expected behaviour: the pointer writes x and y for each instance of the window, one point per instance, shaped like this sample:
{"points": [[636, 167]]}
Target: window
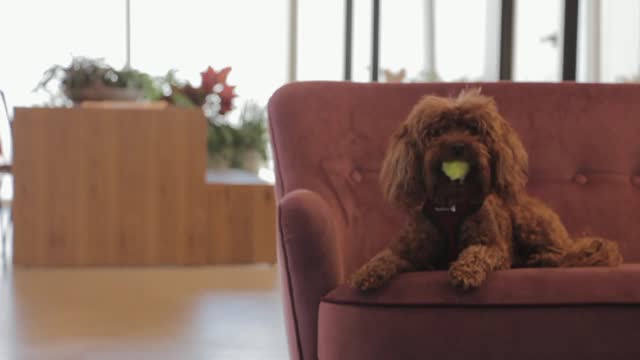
{"points": [[619, 40], [461, 39], [361, 53], [538, 40], [248, 35], [38, 34], [320, 39], [402, 38]]}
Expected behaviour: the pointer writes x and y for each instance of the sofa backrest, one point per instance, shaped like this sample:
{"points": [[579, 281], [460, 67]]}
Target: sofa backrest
{"points": [[583, 142]]}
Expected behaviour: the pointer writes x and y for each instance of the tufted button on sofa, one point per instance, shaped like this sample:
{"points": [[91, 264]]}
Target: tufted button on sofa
{"points": [[329, 139]]}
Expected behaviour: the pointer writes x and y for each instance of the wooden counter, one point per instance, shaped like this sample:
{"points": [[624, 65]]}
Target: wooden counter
{"points": [[127, 187]]}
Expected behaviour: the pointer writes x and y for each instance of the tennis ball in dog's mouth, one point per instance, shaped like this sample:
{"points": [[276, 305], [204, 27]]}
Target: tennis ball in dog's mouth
{"points": [[456, 169]]}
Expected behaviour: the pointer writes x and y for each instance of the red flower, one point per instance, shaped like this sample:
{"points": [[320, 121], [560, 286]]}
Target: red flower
{"points": [[226, 99], [196, 95], [210, 78]]}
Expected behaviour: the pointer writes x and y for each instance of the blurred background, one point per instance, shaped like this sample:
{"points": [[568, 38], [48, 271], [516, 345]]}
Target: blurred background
{"points": [[222, 60], [449, 40], [269, 43]]}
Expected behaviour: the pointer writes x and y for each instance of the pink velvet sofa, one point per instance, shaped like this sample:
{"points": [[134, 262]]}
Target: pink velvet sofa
{"points": [[584, 148]]}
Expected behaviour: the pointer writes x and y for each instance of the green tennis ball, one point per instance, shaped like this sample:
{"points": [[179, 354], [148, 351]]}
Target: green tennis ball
{"points": [[456, 169]]}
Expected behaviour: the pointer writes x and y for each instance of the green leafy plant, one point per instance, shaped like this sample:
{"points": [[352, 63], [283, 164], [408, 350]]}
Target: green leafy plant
{"points": [[213, 94], [85, 73], [231, 142], [225, 141], [252, 130], [221, 140], [76, 81]]}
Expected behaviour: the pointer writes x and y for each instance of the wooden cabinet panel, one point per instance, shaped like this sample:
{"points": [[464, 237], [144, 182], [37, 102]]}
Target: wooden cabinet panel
{"points": [[127, 187]]}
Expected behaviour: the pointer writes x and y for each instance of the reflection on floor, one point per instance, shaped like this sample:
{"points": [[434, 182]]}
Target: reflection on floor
{"points": [[231, 312]]}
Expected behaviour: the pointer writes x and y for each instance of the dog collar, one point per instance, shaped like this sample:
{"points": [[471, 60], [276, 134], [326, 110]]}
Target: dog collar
{"points": [[448, 220], [451, 208]]}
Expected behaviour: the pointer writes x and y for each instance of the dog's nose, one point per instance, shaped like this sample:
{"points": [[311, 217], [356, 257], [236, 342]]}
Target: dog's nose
{"points": [[457, 149]]}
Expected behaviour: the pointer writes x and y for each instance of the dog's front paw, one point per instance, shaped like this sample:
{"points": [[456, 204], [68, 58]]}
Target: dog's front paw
{"points": [[465, 277], [368, 279], [546, 259]]}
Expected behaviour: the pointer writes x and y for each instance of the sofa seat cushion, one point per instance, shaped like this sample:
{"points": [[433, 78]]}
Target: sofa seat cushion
{"points": [[575, 313], [578, 332], [529, 286]]}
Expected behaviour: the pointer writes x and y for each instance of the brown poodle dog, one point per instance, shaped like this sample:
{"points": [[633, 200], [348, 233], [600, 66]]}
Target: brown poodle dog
{"points": [[480, 220]]}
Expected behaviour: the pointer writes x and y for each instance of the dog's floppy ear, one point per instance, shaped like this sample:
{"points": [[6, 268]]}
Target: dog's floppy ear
{"points": [[510, 161], [508, 157], [402, 174]]}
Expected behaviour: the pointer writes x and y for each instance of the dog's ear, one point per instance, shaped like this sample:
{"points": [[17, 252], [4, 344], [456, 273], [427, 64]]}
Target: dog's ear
{"points": [[510, 161], [402, 174]]}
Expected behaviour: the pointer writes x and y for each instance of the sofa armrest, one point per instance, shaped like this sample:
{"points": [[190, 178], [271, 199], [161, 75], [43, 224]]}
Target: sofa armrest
{"points": [[308, 258]]}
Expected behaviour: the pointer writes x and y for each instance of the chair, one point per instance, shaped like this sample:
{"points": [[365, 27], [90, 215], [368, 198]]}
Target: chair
{"points": [[329, 139], [6, 185]]}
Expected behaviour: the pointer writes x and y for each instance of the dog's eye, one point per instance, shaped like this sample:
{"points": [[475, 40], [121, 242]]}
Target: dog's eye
{"points": [[473, 129]]}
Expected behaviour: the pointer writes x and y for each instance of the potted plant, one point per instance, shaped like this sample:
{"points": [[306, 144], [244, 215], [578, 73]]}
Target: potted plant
{"points": [[252, 141], [92, 79], [240, 146], [215, 97], [237, 146], [220, 146], [213, 94]]}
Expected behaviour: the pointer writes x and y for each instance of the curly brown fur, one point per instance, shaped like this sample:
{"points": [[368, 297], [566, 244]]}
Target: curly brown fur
{"points": [[502, 226]]}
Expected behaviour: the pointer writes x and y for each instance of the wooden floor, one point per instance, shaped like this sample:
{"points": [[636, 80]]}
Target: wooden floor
{"points": [[154, 313]]}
